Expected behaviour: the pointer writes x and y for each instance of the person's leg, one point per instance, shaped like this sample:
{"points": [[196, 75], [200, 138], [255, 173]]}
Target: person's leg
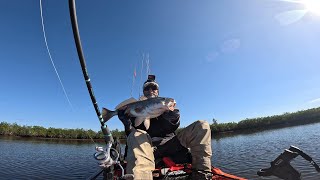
{"points": [[197, 137], [140, 158], [173, 149]]}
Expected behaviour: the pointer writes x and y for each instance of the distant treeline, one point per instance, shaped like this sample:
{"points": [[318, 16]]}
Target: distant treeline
{"points": [[38, 131], [270, 122], [276, 121]]}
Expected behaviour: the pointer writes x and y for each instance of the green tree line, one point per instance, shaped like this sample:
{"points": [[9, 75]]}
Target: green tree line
{"points": [[37, 131], [269, 122], [276, 121]]}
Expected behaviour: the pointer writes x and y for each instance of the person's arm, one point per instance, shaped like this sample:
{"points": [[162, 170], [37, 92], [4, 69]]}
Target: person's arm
{"points": [[168, 122], [172, 116]]}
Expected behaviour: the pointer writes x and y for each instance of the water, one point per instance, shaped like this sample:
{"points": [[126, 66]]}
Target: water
{"points": [[22, 158], [242, 155]]}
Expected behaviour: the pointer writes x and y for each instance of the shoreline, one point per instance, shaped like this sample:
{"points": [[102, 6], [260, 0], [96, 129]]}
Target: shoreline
{"points": [[214, 135]]}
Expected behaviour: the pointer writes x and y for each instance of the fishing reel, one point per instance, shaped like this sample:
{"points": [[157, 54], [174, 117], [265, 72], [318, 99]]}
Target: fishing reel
{"points": [[106, 158]]}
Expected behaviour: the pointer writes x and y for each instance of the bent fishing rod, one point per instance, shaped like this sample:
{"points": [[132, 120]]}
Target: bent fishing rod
{"points": [[103, 156], [73, 15]]}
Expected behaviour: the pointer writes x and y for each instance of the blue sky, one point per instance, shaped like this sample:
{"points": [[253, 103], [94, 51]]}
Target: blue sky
{"points": [[227, 60]]}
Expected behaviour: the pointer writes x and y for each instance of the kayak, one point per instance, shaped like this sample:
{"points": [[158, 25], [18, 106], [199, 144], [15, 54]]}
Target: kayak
{"points": [[167, 169], [171, 170]]}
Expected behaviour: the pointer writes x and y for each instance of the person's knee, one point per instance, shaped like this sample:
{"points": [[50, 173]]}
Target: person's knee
{"points": [[203, 124], [137, 138], [137, 134]]}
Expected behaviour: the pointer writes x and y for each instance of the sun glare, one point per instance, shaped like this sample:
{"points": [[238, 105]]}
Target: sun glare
{"points": [[312, 6]]}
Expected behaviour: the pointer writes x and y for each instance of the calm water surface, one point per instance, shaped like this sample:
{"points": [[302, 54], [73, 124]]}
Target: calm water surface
{"points": [[242, 155]]}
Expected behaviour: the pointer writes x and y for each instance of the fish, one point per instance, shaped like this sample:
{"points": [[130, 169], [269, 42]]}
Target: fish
{"points": [[143, 110]]}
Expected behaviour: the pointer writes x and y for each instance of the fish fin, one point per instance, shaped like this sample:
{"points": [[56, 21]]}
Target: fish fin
{"points": [[107, 114], [147, 123], [138, 121], [126, 102]]}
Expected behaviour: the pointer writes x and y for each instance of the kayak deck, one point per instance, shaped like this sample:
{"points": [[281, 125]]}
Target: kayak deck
{"points": [[170, 170]]}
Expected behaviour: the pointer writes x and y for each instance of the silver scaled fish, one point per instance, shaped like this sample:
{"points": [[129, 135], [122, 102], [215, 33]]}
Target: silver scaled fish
{"points": [[143, 110]]}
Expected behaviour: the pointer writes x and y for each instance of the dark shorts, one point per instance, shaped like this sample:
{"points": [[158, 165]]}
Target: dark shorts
{"points": [[173, 149]]}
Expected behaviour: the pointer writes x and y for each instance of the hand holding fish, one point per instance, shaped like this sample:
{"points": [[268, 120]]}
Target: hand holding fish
{"points": [[172, 106]]}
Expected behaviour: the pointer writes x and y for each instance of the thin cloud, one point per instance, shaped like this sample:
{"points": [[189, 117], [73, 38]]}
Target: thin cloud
{"points": [[314, 100], [212, 56], [230, 46], [226, 47]]}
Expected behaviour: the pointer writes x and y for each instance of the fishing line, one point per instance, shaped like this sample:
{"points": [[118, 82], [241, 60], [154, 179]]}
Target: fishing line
{"points": [[96, 145], [55, 69]]}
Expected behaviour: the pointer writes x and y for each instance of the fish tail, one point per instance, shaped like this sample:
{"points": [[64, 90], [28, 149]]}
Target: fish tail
{"points": [[108, 114]]}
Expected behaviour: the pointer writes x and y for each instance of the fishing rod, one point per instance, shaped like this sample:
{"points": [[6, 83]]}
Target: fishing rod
{"points": [[110, 156], [73, 15]]}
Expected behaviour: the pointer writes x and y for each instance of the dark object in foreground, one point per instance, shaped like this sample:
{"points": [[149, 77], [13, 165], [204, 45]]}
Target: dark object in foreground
{"points": [[282, 168]]}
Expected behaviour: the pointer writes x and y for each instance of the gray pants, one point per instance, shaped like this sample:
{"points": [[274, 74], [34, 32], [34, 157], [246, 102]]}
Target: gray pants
{"points": [[140, 158]]}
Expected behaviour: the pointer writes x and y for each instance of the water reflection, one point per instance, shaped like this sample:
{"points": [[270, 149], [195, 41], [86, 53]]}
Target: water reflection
{"points": [[242, 154], [50, 140]]}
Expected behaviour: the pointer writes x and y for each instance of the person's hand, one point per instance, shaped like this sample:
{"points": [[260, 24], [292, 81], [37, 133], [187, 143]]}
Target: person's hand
{"points": [[172, 106]]}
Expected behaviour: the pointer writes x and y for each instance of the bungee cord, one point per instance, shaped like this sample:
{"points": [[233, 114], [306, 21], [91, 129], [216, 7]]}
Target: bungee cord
{"points": [[54, 67], [145, 62], [148, 71], [141, 70]]}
